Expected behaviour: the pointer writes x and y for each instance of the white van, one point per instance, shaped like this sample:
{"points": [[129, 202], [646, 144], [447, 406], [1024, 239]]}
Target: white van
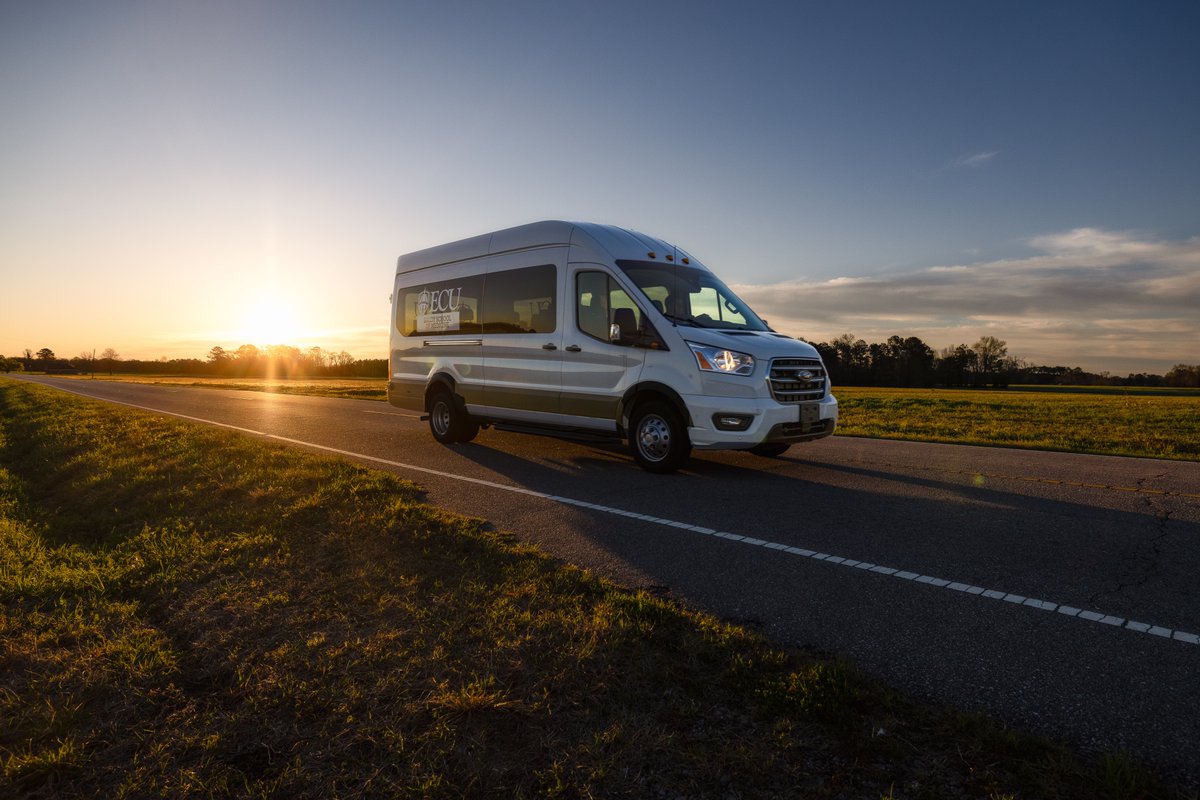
{"points": [[575, 328]]}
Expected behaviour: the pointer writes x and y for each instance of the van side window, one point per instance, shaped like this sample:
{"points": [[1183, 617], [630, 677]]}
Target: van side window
{"points": [[520, 300], [600, 301], [440, 308], [591, 304]]}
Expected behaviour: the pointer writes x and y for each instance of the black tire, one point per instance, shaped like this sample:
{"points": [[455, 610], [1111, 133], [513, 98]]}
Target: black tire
{"points": [[770, 449], [449, 422], [657, 437]]}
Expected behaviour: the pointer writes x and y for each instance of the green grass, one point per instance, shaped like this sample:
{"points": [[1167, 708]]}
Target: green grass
{"points": [[186, 612], [1147, 425], [1148, 391]]}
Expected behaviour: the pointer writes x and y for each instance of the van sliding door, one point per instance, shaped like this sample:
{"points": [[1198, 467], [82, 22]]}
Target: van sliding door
{"points": [[522, 352]]}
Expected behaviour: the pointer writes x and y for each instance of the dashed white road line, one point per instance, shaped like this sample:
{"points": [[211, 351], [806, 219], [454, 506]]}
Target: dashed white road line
{"points": [[841, 561]]}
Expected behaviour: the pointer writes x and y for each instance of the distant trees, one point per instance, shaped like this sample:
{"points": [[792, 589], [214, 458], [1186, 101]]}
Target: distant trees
{"points": [[45, 360], [108, 359], [851, 361], [910, 362], [955, 365], [278, 361], [84, 362], [249, 361], [991, 362], [219, 359], [1183, 375]]}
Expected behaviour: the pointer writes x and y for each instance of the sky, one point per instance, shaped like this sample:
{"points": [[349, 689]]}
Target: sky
{"points": [[183, 175]]}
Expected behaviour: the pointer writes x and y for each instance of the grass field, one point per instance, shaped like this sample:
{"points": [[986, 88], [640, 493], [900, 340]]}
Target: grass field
{"points": [[1148, 425], [1109, 420], [186, 612], [355, 388], [1124, 391]]}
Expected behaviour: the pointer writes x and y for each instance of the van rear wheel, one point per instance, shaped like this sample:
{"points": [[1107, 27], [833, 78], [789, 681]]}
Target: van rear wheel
{"points": [[448, 421], [658, 438]]}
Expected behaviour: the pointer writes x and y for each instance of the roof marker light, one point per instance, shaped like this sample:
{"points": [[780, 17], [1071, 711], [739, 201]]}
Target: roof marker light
{"points": [[685, 260], [651, 254], [670, 257]]}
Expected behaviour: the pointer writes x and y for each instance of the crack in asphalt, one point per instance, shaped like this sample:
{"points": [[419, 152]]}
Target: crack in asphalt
{"points": [[1142, 561]]}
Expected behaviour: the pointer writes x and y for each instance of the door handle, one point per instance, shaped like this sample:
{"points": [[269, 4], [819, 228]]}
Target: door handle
{"points": [[574, 348], [549, 346]]}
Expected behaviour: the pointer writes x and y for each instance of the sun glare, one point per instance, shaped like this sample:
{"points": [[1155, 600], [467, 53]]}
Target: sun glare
{"points": [[271, 321]]}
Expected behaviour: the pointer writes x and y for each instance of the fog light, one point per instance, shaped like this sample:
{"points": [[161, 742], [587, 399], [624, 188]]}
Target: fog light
{"points": [[732, 422]]}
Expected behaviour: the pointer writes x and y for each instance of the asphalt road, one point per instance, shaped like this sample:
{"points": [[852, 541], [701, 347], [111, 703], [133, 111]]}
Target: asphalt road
{"points": [[1059, 593]]}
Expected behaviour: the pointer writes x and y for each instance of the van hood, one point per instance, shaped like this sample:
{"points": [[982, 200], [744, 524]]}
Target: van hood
{"points": [[760, 344]]}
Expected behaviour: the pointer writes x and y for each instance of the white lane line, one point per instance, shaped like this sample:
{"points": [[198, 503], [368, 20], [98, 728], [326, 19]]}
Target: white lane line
{"points": [[991, 594]]}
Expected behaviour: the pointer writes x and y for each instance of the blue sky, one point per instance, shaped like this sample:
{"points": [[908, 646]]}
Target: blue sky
{"points": [[184, 175]]}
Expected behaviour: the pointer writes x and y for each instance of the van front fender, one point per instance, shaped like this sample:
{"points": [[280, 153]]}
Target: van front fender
{"points": [[647, 390]]}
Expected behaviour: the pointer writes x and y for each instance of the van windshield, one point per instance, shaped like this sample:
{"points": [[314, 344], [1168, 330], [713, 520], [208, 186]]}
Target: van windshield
{"points": [[689, 296]]}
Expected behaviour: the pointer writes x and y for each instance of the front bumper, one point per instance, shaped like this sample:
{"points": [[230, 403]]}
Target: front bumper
{"points": [[770, 421]]}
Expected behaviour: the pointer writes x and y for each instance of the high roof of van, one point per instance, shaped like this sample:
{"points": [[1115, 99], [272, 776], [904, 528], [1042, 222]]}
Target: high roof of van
{"points": [[591, 240]]}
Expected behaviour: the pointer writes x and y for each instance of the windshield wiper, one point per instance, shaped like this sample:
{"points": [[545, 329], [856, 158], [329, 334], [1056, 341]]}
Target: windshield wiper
{"points": [[688, 320]]}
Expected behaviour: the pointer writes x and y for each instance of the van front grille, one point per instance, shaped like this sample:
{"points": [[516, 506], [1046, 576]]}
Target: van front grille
{"points": [[797, 380]]}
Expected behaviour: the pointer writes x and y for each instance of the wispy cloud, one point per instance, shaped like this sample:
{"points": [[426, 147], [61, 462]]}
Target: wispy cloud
{"points": [[974, 160], [1088, 297], [967, 161]]}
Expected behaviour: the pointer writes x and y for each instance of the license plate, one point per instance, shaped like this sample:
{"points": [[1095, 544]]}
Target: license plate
{"points": [[810, 414]]}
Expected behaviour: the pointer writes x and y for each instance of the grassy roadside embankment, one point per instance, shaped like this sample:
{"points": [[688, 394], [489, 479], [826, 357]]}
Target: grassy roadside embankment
{"points": [[190, 612], [1119, 421]]}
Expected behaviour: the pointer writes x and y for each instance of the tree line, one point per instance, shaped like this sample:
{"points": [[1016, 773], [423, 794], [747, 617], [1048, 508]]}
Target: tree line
{"points": [[284, 361], [899, 361], [247, 361], [908, 361]]}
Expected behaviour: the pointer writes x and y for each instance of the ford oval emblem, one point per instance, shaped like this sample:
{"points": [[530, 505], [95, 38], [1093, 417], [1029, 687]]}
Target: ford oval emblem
{"points": [[805, 374]]}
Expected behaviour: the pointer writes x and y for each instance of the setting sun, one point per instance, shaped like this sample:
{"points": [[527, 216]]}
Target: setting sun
{"points": [[271, 320]]}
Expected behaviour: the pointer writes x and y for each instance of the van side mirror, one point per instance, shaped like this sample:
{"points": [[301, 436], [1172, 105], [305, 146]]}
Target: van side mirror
{"points": [[614, 332]]}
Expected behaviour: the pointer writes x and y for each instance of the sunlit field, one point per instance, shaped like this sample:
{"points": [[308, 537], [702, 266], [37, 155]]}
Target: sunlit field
{"points": [[356, 388], [188, 612], [1157, 424]]}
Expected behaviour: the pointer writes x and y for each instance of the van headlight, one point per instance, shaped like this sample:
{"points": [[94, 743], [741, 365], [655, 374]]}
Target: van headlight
{"points": [[718, 359]]}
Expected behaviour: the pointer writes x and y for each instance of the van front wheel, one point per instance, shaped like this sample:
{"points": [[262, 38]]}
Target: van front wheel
{"points": [[448, 421], [658, 438]]}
